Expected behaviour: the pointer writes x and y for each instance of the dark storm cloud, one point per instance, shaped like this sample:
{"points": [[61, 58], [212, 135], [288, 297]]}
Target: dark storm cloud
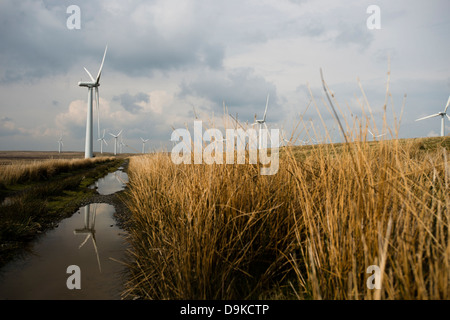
{"points": [[130, 103], [36, 41], [241, 90]]}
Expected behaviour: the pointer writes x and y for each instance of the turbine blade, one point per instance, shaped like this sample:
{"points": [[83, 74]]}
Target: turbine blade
{"points": [[105, 142], [448, 103], [85, 240], [427, 117], [448, 117], [268, 132], [96, 253], [112, 134], [101, 67], [267, 104], [90, 75], [119, 132]]}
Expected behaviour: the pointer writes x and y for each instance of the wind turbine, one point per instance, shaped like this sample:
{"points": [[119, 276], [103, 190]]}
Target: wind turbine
{"points": [[262, 122], [60, 144], [121, 144], [115, 141], [89, 230], [442, 114], [102, 139], [94, 83], [143, 144], [376, 136]]}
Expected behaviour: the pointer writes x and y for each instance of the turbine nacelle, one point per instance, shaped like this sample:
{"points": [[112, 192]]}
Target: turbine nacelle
{"points": [[88, 84]]}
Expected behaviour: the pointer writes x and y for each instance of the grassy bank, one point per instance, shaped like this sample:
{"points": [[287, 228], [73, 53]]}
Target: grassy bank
{"points": [[308, 232], [37, 195]]}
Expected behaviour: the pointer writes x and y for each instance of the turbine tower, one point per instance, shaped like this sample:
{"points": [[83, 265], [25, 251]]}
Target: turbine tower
{"points": [[261, 123], [94, 83], [102, 140], [60, 144], [143, 144], [116, 136], [443, 114], [89, 230]]}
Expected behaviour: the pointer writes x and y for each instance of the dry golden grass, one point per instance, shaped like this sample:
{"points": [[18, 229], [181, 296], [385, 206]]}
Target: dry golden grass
{"points": [[308, 232], [29, 171]]}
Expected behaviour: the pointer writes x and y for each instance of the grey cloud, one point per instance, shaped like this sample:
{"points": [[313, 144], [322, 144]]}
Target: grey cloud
{"points": [[5, 119], [9, 128], [241, 89], [36, 42], [299, 2], [354, 34], [129, 102]]}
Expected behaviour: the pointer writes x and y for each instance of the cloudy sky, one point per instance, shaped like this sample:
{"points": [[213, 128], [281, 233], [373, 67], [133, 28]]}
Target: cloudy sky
{"points": [[167, 59]]}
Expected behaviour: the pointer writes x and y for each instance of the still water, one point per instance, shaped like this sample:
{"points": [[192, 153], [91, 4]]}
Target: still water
{"points": [[89, 239], [111, 183]]}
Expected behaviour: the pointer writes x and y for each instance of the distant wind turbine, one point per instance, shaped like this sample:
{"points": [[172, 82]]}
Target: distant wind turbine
{"points": [[121, 144], [262, 122], [376, 136], [60, 144], [442, 114], [102, 140], [95, 83], [143, 144], [116, 136]]}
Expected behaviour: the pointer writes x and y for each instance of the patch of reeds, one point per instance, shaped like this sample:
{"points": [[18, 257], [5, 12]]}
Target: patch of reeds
{"points": [[311, 231], [25, 172]]}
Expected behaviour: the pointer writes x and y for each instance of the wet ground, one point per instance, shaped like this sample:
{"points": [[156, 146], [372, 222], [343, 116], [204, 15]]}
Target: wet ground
{"points": [[91, 239]]}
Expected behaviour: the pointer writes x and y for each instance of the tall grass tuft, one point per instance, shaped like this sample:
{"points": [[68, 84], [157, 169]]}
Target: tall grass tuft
{"points": [[309, 232], [42, 169]]}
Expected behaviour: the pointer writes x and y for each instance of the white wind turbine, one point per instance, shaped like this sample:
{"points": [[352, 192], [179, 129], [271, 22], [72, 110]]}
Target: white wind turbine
{"points": [[116, 136], [143, 144], [102, 140], [95, 83], [60, 144], [262, 122], [89, 230], [442, 114], [376, 136]]}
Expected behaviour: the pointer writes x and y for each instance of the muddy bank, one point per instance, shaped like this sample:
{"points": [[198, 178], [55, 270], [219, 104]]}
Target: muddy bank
{"points": [[40, 207], [38, 271]]}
